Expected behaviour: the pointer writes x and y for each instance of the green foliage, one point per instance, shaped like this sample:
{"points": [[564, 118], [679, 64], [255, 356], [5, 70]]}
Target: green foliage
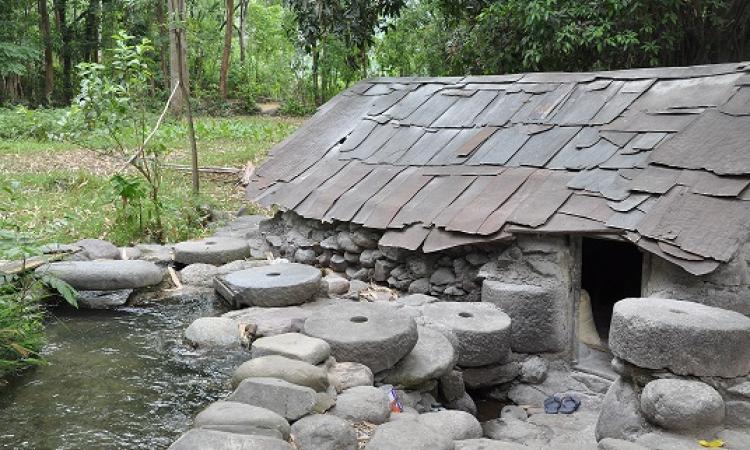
{"points": [[42, 125]]}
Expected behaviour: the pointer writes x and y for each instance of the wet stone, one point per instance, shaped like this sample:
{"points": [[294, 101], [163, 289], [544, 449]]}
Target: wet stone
{"points": [[285, 399], [202, 439], [213, 332], [213, 250], [290, 370], [105, 275], [292, 345], [242, 418]]}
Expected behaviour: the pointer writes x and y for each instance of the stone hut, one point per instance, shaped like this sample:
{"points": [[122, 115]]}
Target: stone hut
{"points": [[552, 195]]}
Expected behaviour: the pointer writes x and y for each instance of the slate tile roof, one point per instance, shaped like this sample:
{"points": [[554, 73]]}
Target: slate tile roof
{"points": [[660, 157]]}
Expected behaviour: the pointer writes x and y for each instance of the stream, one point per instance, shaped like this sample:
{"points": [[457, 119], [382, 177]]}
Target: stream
{"points": [[115, 379]]}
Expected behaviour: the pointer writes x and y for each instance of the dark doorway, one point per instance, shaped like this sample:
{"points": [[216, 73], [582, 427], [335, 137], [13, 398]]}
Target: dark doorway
{"points": [[611, 271]]}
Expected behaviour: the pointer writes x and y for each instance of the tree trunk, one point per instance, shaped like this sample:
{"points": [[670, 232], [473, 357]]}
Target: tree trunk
{"points": [[66, 52], [241, 30], [315, 76], [178, 54], [227, 53], [49, 73], [162, 46], [91, 31]]}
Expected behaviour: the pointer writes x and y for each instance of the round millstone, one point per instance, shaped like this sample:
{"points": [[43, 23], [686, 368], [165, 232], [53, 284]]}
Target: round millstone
{"points": [[105, 275], [482, 330], [375, 335], [213, 250], [684, 337], [275, 285]]}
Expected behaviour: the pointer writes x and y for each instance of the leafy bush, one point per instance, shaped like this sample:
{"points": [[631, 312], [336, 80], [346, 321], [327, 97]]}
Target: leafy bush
{"points": [[42, 125]]}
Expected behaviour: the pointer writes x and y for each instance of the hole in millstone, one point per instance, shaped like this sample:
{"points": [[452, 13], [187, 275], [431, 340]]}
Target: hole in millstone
{"points": [[359, 319], [273, 274], [465, 314], [676, 311], [210, 243]]}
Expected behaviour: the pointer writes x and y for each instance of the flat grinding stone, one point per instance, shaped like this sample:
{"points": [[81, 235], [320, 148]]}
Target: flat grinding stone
{"points": [[482, 330], [372, 334], [275, 285], [213, 250], [684, 337], [105, 275]]}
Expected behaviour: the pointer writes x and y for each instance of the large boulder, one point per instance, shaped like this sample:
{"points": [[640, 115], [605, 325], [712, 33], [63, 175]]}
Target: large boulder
{"points": [[456, 424], [684, 337], [363, 403], [213, 250], [285, 399], [292, 345], [105, 275], [682, 404], [275, 285], [291, 370], [482, 330], [324, 432], [373, 334], [204, 439], [213, 332], [408, 434], [536, 313], [620, 416], [432, 357], [235, 417]]}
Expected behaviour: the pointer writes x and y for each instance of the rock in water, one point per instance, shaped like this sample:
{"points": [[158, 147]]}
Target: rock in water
{"points": [[408, 434], [213, 250], [274, 285], [482, 330], [203, 439], [291, 370], [363, 403], [235, 417], [292, 345], [684, 337], [372, 334], [432, 357], [103, 299], [682, 404], [285, 399], [324, 432], [213, 332], [105, 275]]}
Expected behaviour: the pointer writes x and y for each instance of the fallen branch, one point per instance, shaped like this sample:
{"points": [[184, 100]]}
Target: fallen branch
{"points": [[17, 267], [185, 168], [247, 174], [175, 278]]}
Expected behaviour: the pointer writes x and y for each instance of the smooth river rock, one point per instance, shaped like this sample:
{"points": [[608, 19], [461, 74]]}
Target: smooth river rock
{"points": [[324, 432], [408, 434], [432, 357], [285, 399], [242, 418], [682, 404], [363, 403], [204, 439], [292, 345], [456, 424], [105, 275], [684, 337], [213, 332], [291, 370], [372, 334]]}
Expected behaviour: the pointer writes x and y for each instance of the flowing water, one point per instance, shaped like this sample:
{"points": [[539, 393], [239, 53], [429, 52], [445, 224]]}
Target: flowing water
{"points": [[116, 379]]}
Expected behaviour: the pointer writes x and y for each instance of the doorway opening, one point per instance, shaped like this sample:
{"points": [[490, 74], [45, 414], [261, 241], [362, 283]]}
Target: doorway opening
{"points": [[610, 272]]}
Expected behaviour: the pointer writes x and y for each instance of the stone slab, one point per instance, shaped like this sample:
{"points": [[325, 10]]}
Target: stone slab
{"points": [[432, 357], [276, 285], [105, 275], [292, 345], [203, 439], [242, 418], [285, 399], [213, 250]]}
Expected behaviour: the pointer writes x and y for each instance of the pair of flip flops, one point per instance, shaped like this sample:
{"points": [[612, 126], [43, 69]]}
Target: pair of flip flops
{"points": [[561, 405]]}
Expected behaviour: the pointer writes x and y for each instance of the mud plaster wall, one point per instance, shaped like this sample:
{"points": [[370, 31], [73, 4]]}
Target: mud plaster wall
{"points": [[728, 287]]}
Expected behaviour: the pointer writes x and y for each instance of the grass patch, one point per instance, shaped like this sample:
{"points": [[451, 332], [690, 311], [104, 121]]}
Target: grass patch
{"points": [[63, 192]]}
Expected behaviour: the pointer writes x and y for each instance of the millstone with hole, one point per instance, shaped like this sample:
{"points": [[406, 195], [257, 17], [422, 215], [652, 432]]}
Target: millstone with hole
{"points": [[482, 330], [372, 334], [213, 250], [274, 285], [684, 337]]}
